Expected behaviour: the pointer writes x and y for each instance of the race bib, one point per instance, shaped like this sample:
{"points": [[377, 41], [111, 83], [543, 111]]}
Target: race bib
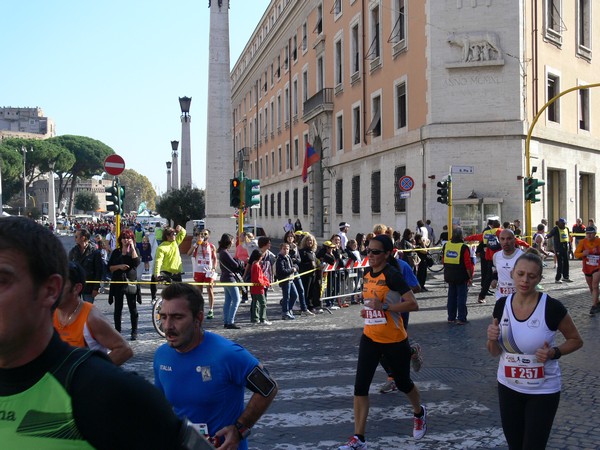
{"points": [[592, 260], [506, 288], [374, 317], [202, 428], [523, 370]]}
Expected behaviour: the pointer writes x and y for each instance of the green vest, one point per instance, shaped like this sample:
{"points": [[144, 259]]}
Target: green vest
{"points": [[40, 418], [139, 235], [158, 234]]}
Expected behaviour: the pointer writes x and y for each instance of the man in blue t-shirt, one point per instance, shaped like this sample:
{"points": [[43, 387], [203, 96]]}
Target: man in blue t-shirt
{"points": [[204, 375]]}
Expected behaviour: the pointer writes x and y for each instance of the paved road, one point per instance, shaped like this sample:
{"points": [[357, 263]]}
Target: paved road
{"points": [[314, 359]]}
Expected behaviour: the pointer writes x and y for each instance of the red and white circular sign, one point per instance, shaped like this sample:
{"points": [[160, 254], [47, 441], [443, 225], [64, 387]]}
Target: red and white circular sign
{"points": [[114, 165]]}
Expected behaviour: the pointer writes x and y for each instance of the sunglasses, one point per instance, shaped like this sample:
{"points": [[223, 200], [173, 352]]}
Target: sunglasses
{"points": [[374, 252]]}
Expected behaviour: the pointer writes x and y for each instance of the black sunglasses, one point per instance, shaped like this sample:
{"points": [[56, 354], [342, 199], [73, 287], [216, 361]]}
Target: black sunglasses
{"points": [[375, 252]]}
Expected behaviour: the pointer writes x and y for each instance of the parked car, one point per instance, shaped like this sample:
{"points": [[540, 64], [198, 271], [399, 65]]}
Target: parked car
{"points": [[258, 232]]}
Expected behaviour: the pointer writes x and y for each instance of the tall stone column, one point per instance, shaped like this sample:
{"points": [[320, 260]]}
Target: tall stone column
{"points": [[51, 198], [219, 142], [186, 145]]}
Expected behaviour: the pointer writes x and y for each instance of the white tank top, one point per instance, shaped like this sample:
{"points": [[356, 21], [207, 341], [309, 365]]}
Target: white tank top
{"points": [[504, 266], [518, 369]]}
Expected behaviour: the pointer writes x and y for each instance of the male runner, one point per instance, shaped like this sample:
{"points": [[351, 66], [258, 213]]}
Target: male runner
{"points": [[503, 264]]}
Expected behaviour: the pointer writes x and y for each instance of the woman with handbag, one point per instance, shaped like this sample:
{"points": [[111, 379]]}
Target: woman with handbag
{"points": [[123, 264], [230, 273]]}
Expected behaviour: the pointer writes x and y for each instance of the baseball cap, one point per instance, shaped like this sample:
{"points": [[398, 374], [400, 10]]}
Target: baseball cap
{"points": [[591, 229], [563, 220], [344, 225], [328, 244]]}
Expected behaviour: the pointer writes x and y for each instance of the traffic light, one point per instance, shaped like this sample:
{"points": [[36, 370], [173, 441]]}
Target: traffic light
{"points": [[251, 192], [235, 194], [443, 192], [531, 186], [115, 196]]}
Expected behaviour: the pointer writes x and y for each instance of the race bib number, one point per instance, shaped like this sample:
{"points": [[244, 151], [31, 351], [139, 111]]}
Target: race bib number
{"points": [[592, 260], [201, 427], [374, 317], [506, 289], [523, 370]]}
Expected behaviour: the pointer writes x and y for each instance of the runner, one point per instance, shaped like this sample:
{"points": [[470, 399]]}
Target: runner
{"points": [[589, 250]]}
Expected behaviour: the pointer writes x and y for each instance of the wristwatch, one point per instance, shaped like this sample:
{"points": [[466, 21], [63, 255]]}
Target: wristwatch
{"points": [[385, 306], [243, 430], [557, 353]]}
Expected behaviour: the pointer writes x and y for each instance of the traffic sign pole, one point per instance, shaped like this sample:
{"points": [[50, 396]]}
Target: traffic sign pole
{"points": [[115, 165]]}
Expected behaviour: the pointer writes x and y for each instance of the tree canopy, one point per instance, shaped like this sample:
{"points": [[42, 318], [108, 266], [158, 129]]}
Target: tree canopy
{"points": [[86, 201], [182, 205], [138, 189]]}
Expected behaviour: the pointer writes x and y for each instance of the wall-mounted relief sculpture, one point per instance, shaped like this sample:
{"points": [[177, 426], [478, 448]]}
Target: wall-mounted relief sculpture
{"points": [[478, 48]]}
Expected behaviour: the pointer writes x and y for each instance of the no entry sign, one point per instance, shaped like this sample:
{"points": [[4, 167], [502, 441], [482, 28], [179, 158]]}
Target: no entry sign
{"points": [[114, 165], [406, 183]]}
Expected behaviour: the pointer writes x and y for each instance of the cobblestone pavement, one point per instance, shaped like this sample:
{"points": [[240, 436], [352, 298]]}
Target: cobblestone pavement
{"points": [[314, 360]]}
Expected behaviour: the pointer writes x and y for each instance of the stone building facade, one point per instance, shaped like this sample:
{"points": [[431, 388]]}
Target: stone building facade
{"points": [[25, 123], [414, 90]]}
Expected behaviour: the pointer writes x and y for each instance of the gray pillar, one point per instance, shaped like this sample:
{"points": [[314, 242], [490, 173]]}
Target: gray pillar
{"points": [[186, 145], [51, 198], [219, 141]]}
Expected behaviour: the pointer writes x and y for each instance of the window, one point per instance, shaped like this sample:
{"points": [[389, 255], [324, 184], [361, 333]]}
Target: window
{"points": [[305, 201], [295, 202], [279, 111], [319, 26], [296, 152], [584, 32], [584, 109], [304, 86], [266, 122], [339, 196], [287, 203], [260, 168], [272, 117], [375, 47], [376, 192], [398, 36], [279, 204], [288, 156], [273, 204], [295, 98], [339, 73], [295, 47], [356, 135], [304, 37], [267, 165], [553, 111], [401, 106], [279, 162], [272, 75], [273, 161], [399, 203], [339, 131], [554, 24], [266, 206], [286, 106], [375, 127], [336, 9], [354, 50], [356, 194], [320, 74]]}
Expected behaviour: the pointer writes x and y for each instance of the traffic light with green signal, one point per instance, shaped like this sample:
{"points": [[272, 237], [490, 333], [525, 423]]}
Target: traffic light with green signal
{"points": [[443, 192], [235, 193], [251, 192], [531, 189], [115, 196]]}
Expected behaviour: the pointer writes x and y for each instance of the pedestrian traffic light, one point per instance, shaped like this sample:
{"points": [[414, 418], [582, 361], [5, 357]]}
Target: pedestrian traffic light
{"points": [[443, 192], [531, 186], [251, 192], [115, 196], [235, 194]]}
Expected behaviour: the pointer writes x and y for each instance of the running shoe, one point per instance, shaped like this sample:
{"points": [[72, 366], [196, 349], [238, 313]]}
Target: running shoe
{"points": [[557, 282], [354, 443], [568, 280], [334, 307], [318, 311], [211, 314], [416, 358], [480, 300], [266, 322], [308, 312], [389, 386], [419, 424]]}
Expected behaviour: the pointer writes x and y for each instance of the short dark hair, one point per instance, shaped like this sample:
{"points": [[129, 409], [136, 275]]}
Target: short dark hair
{"points": [[263, 240], [84, 232], [191, 293], [44, 253], [76, 274]]}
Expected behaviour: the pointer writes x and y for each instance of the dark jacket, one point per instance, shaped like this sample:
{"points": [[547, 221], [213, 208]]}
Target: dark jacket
{"points": [[117, 258], [229, 267], [284, 267], [91, 261]]}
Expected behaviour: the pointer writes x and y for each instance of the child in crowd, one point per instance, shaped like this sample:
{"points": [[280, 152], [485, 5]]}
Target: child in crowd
{"points": [[146, 253], [258, 306]]}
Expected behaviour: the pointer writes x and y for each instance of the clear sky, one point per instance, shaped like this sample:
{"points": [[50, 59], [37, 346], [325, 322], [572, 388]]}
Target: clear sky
{"points": [[113, 70]]}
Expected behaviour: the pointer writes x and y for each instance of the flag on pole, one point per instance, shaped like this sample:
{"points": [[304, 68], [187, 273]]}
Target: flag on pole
{"points": [[310, 158]]}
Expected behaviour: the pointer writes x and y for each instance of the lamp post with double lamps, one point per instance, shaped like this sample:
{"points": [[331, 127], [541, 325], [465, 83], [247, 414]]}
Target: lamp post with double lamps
{"points": [[168, 176], [175, 173]]}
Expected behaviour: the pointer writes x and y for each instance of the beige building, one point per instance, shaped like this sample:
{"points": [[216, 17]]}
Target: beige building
{"points": [[28, 123], [396, 93]]}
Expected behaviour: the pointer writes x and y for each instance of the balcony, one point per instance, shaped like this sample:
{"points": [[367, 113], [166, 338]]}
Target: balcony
{"points": [[322, 101]]}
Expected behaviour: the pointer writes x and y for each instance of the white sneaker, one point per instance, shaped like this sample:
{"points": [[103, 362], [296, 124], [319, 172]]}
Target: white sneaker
{"points": [[420, 424], [266, 322], [354, 443]]}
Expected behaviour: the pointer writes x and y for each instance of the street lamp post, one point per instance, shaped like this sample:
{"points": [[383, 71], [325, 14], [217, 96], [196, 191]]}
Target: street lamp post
{"points": [[51, 197], [168, 176], [175, 173], [186, 146]]}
